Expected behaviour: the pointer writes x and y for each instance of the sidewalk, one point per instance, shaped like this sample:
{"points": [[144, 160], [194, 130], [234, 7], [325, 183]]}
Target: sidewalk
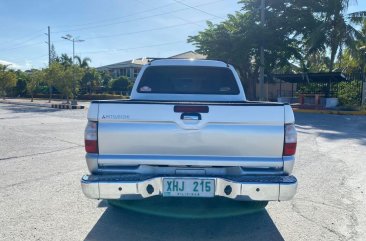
{"points": [[40, 102], [333, 112]]}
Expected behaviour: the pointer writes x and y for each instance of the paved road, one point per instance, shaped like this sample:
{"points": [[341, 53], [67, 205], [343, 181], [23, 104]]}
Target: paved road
{"points": [[41, 162]]}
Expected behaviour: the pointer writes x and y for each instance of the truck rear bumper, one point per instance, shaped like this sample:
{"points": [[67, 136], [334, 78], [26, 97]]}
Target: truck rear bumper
{"points": [[135, 186]]}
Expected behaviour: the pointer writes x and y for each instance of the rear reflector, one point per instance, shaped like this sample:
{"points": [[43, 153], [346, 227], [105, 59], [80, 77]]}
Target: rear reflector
{"points": [[91, 137], [289, 146], [289, 149], [191, 109], [91, 146]]}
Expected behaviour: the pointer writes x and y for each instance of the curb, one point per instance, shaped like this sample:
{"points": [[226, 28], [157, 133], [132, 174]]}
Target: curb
{"points": [[332, 112], [57, 106], [67, 106]]}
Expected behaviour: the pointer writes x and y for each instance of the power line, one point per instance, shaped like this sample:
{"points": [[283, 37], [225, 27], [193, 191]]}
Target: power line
{"points": [[25, 38], [183, 19], [132, 48], [116, 18], [135, 19], [195, 8], [24, 44], [148, 30], [118, 34]]}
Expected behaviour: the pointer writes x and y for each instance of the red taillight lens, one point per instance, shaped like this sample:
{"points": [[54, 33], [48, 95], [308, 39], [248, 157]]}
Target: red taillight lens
{"points": [[91, 146], [91, 137], [289, 147]]}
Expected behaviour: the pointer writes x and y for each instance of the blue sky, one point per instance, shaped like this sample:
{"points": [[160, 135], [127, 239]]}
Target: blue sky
{"points": [[114, 30]]}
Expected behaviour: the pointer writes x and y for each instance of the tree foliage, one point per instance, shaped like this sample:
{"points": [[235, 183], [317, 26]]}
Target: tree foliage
{"points": [[349, 94], [237, 40], [33, 79], [68, 81], [83, 63], [106, 77], [90, 81], [65, 60], [53, 75], [335, 30], [120, 84], [53, 54], [8, 79]]}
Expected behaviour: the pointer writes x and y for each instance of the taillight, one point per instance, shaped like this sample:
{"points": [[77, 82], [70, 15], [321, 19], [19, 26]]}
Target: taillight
{"points": [[289, 147], [91, 137]]}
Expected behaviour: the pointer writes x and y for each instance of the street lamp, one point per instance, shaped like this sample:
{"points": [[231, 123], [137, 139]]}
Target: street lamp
{"points": [[74, 40]]}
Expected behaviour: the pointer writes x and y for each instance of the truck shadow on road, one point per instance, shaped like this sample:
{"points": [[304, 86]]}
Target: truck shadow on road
{"points": [[123, 224]]}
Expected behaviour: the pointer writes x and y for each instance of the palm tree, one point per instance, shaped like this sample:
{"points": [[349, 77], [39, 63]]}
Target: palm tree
{"points": [[83, 63], [65, 60], [336, 30]]}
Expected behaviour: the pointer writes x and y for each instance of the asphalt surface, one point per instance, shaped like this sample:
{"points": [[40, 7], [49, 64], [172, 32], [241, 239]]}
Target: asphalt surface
{"points": [[42, 160]]}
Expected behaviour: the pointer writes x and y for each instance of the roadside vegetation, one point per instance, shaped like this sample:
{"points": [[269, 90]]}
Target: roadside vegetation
{"points": [[63, 79], [298, 37]]}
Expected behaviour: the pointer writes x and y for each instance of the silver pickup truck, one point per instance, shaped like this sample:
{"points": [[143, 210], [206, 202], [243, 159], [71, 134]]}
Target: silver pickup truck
{"points": [[188, 131]]}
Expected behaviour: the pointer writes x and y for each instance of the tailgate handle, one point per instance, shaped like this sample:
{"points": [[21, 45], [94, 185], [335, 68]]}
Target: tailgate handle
{"points": [[191, 116]]}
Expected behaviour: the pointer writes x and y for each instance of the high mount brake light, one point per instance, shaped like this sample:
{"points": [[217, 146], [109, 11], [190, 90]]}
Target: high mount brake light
{"points": [[91, 137], [289, 147], [191, 109]]}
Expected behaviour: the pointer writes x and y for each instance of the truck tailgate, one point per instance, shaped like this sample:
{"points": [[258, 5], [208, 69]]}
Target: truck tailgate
{"points": [[138, 133]]}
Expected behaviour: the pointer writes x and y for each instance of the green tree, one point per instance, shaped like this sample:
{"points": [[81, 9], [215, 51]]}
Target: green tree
{"points": [[316, 62], [349, 94], [53, 54], [90, 80], [336, 29], [83, 63], [8, 79], [33, 79], [354, 59], [20, 88], [120, 84], [237, 40], [67, 83], [106, 77], [52, 76], [65, 60]]}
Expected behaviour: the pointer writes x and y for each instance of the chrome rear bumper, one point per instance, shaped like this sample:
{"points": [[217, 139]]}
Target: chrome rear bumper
{"points": [[136, 186]]}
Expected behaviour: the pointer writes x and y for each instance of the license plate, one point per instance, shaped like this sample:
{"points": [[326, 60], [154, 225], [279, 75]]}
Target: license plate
{"points": [[188, 187]]}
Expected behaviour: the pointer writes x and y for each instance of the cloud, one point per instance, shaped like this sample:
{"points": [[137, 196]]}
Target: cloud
{"points": [[28, 64], [11, 64]]}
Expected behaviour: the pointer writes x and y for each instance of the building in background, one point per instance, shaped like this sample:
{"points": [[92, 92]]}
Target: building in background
{"points": [[131, 68]]}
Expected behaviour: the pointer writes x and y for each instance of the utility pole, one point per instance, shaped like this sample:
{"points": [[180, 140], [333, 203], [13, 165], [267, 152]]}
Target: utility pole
{"points": [[49, 57], [73, 50], [49, 46], [261, 68]]}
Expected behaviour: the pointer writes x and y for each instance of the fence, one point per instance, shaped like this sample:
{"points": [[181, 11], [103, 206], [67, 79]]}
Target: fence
{"points": [[350, 92]]}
